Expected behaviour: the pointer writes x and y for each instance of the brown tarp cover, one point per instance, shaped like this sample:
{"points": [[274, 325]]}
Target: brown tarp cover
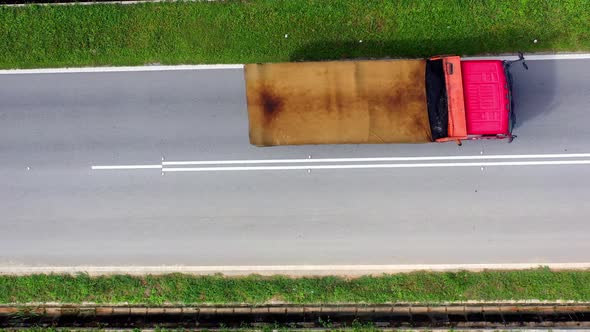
{"points": [[338, 102]]}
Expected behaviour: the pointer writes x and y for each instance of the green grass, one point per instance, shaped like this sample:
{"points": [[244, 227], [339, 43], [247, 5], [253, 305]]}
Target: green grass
{"points": [[541, 284], [254, 30]]}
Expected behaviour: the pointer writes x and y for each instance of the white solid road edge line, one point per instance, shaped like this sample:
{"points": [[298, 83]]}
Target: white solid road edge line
{"points": [[250, 269], [532, 57], [368, 166], [165, 166], [119, 69], [375, 159]]}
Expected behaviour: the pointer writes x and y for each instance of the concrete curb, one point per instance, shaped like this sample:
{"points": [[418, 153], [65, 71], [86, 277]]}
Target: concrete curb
{"points": [[288, 270], [88, 3]]}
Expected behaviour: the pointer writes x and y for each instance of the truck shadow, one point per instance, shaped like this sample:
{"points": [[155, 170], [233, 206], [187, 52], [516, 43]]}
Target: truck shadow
{"points": [[534, 90]]}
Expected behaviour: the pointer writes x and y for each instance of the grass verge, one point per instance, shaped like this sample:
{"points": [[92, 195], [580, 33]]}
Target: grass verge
{"points": [[284, 30], [431, 287]]}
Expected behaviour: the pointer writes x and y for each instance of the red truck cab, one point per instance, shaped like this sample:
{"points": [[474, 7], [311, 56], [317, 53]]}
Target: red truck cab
{"points": [[478, 98], [487, 98]]}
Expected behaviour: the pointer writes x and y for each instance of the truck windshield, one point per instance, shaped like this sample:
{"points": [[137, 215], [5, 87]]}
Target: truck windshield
{"points": [[436, 95], [511, 115]]}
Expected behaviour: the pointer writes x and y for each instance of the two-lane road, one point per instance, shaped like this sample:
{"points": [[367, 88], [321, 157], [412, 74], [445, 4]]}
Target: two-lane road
{"points": [[56, 210]]}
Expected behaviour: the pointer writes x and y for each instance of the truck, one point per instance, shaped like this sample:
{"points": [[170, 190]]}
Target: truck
{"points": [[436, 99]]}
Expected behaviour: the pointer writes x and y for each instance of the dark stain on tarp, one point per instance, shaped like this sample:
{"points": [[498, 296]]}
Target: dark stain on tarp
{"points": [[395, 99], [400, 97], [271, 103]]}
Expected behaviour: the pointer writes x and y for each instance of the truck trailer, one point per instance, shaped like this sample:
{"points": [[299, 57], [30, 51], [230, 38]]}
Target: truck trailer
{"points": [[439, 99]]}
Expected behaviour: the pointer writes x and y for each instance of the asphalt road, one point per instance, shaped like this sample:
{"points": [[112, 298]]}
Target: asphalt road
{"points": [[56, 210]]}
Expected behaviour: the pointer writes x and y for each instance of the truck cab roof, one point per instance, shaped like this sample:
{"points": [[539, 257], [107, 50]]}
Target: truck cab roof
{"points": [[487, 97]]}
